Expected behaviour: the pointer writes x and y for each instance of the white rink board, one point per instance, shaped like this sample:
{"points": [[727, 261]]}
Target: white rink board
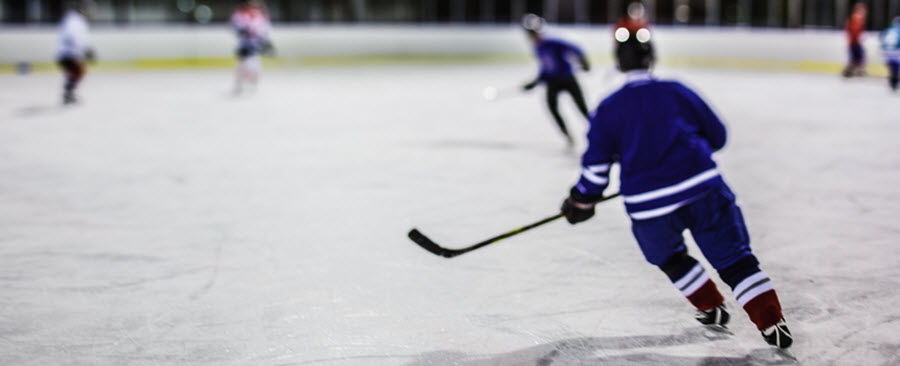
{"points": [[164, 222], [115, 43]]}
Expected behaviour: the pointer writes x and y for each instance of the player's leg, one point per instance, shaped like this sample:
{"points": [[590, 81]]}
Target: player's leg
{"points": [[73, 71], [575, 91], [854, 54], [718, 227], [249, 64], [252, 66], [662, 244], [859, 59], [239, 72], [894, 73], [553, 89]]}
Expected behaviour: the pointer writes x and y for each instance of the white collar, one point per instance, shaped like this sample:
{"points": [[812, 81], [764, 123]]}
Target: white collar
{"points": [[636, 76]]}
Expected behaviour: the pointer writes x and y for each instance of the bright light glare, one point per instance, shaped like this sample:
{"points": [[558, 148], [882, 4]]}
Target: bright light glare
{"points": [[622, 34], [203, 14], [643, 35], [683, 13], [185, 6]]}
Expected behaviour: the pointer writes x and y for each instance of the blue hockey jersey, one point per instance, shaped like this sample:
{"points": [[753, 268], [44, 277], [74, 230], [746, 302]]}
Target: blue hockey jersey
{"points": [[554, 56], [663, 136], [890, 42]]}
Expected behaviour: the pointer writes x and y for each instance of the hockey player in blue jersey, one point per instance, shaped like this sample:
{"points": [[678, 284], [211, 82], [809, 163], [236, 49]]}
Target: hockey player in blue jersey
{"points": [[890, 47], [663, 135], [556, 72]]}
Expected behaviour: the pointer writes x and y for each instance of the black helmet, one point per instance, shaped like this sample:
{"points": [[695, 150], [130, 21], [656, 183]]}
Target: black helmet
{"points": [[634, 50]]}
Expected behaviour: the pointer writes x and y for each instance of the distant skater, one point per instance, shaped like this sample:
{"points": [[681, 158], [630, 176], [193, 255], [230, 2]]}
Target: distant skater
{"points": [[554, 57], [890, 47], [663, 135], [855, 28], [252, 25], [73, 48]]}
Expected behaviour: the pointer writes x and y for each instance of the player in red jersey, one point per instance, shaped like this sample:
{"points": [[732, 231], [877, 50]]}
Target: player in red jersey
{"points": [[251, 22], [855, 27], [635, 19]]}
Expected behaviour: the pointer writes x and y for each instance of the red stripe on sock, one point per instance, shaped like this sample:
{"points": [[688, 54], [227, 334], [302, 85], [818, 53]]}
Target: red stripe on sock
{"points": [[764, 310], [706, 297]]}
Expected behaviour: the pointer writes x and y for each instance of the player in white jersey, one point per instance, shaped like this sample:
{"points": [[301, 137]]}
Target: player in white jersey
{"points": [[73, 48], [890, 47], [251, 22]]}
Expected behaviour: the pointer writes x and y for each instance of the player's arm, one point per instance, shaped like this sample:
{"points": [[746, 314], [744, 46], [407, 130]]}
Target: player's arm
{"points": [[582, 58], [710, 127], [537, 80], [594, 178], [595, 165]]}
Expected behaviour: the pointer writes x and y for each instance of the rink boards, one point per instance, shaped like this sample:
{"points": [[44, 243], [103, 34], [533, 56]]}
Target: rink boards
{"points": [[32, 49]]}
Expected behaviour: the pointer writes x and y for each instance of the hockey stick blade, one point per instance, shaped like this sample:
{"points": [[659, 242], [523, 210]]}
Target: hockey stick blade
{"points": [[429, 245], [423, 241]]}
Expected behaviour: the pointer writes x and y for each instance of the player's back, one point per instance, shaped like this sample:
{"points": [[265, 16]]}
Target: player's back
{"points": [[73, 35], [554, 57], [661, 132]]}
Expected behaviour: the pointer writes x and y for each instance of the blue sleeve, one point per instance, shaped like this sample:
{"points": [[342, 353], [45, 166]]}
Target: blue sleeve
{"points": [[574, 49], [709, 125], [596, 161]]}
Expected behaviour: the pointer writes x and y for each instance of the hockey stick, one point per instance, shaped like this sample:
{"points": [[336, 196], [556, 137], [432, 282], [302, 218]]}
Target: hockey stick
{"points": [[423, 241]]}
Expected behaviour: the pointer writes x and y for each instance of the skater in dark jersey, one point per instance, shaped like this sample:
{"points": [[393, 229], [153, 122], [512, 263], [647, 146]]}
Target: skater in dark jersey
{"points": [[555, 57], [663, 135]]}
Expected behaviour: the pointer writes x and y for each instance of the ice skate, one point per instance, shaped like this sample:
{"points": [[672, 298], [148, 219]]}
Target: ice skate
{"points": [[69, 98], [715, 319], [778, 335], [847, 72], [715, 316]]}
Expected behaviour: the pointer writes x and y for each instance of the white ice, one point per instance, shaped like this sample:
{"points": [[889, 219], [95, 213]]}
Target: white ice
{"points": [[165, 222]]}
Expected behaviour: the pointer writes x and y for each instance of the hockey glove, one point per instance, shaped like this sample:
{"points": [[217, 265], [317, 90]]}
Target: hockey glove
{"points": [[90, 55], [577, 211], [268, 49]]}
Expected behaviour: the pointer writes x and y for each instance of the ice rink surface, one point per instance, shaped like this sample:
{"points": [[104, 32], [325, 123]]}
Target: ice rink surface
{"points": [[165, 222]]}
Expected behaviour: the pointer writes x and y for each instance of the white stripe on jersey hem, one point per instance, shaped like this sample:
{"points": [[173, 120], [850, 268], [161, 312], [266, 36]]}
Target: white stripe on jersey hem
{"points": [[749, 281], [594, 178], [599, 168], [754, 292], [657, 212], [673, 189], [696, 284], [685, 280]]}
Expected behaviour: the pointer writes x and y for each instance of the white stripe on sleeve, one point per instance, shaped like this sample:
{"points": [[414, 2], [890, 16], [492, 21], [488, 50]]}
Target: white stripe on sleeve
{"points": [[593, 177]]}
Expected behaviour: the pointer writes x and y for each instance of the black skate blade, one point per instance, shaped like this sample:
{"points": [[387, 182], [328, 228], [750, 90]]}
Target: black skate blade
{"points": [[786, 352]]}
